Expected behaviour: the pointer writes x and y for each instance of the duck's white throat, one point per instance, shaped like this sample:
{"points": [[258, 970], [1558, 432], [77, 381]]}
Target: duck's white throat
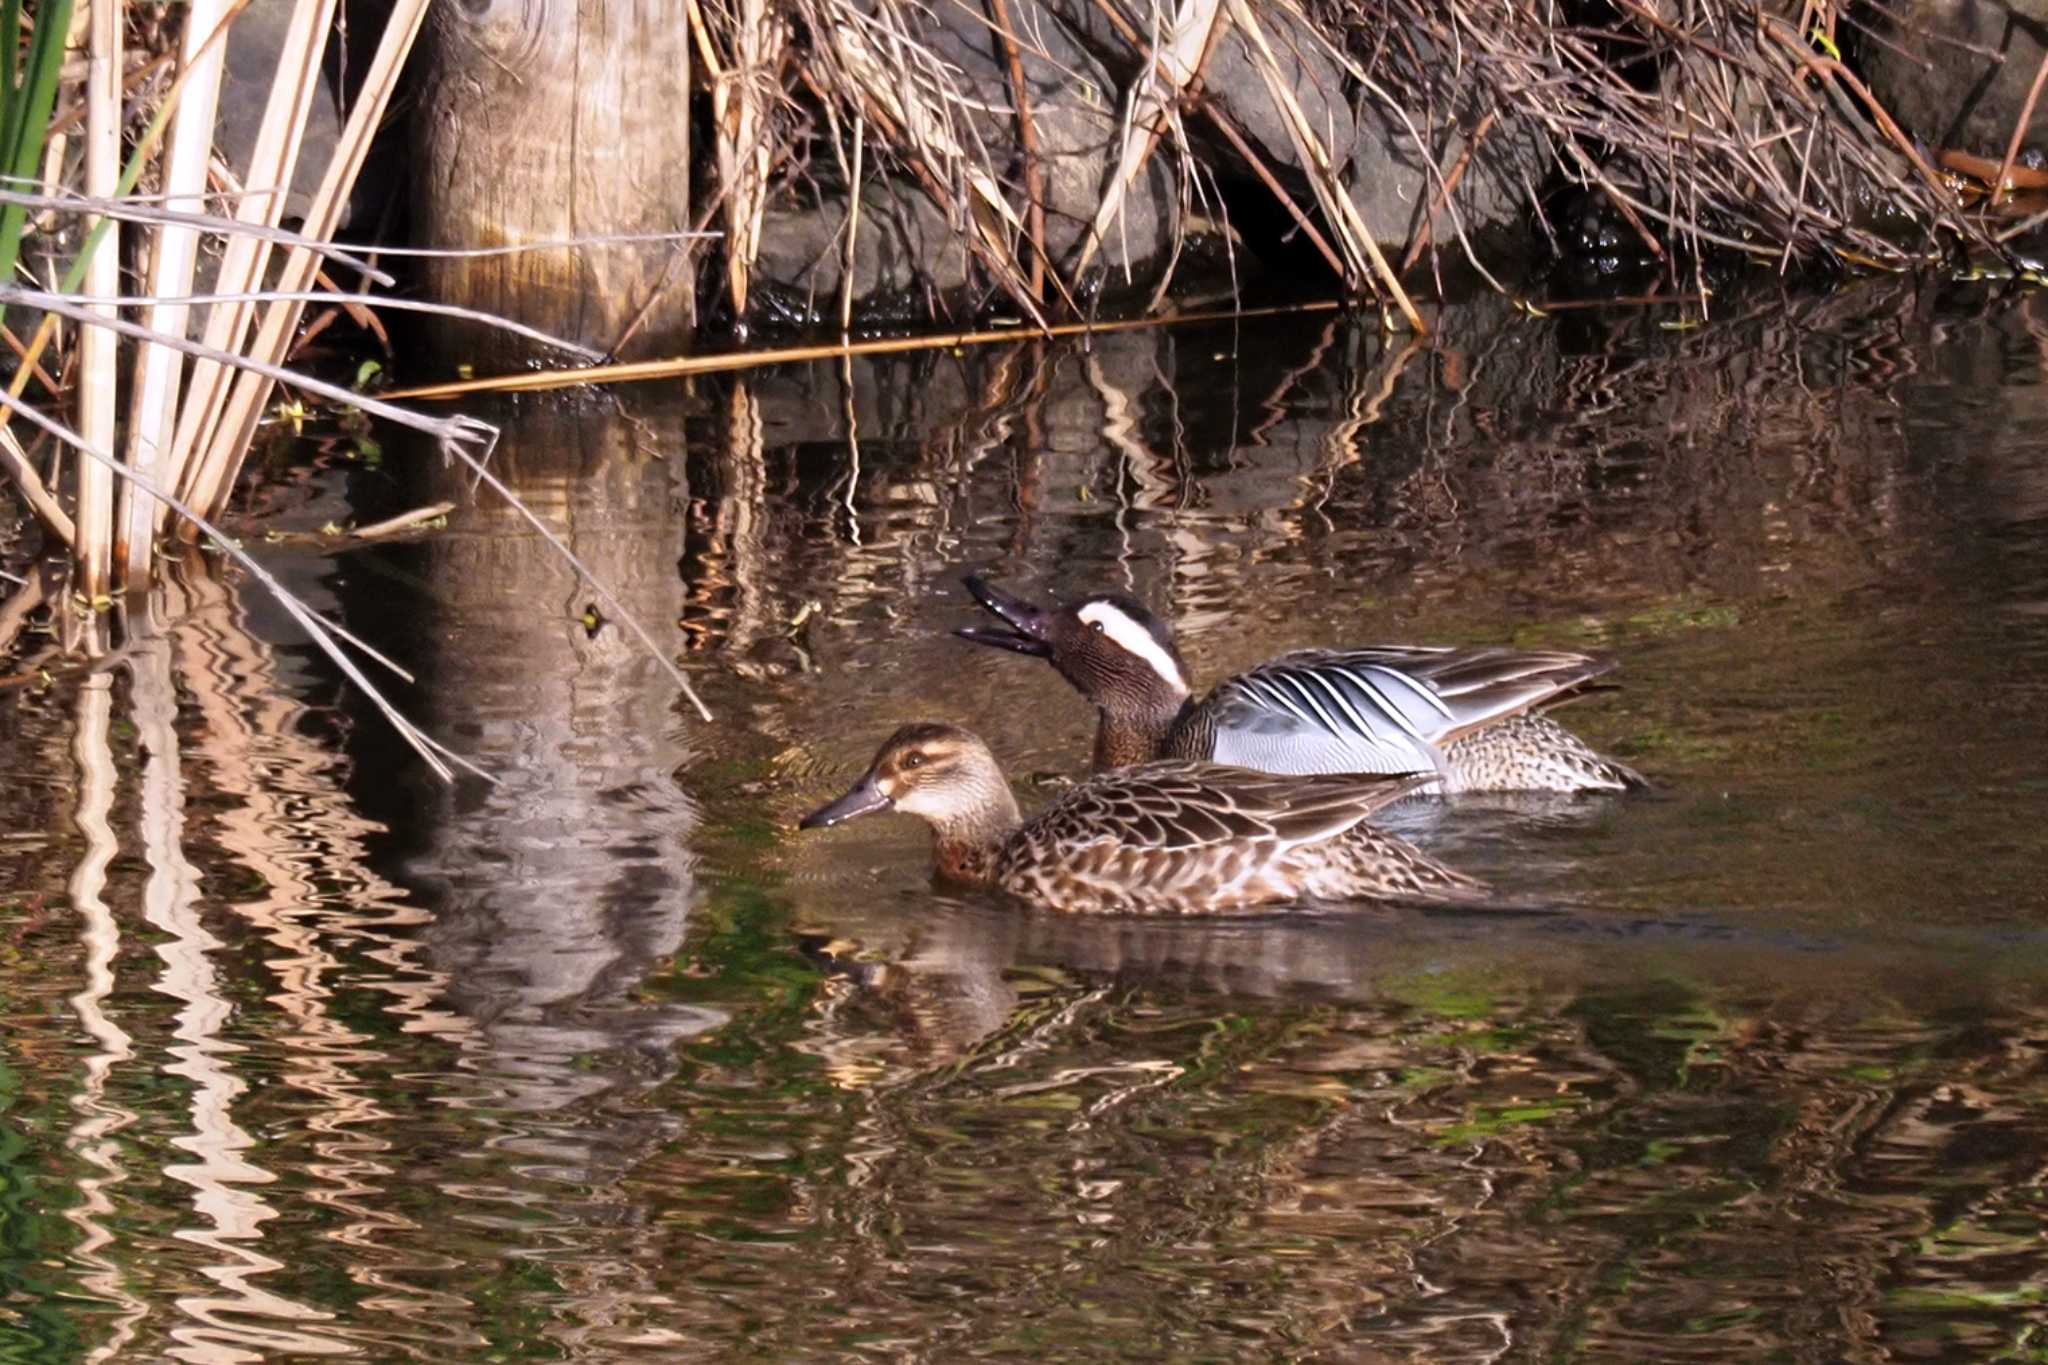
{"points": [[1135, 640]]}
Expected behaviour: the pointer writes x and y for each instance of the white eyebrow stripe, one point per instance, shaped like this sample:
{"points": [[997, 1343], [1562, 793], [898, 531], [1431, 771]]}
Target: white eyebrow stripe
{"points": [[1135, 639]]}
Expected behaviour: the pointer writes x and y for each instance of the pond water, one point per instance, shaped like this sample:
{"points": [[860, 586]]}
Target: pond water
{"points": [[310, 1055]]}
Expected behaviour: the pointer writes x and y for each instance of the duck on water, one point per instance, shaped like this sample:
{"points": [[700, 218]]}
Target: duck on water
{"points": [[1469, 716], [1173, 837]]}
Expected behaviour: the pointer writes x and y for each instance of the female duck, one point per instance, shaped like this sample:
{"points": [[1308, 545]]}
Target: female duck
{"points": [[1162, 838], [1466, 714]]}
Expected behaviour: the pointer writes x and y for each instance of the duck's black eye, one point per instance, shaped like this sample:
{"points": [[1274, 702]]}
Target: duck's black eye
{"points": [[913, 759], [1095, 626]]}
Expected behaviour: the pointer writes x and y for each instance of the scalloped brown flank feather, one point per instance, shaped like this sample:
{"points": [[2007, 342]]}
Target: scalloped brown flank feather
{"points": [[1172, 838]]}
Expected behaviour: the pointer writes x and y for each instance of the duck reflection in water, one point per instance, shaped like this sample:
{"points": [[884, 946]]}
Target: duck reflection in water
{"points": [[1171, 838]]}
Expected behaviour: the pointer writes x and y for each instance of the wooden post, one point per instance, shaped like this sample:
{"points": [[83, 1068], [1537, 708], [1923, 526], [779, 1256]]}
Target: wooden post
{"points": [[550, 120]]}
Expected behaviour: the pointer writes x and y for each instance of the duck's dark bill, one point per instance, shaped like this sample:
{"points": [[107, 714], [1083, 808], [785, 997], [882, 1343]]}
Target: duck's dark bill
{"points": [[1005, 639], [865, 799], [1027, 622]]}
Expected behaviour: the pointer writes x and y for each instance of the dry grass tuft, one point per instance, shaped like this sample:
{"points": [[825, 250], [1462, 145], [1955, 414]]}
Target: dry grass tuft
{"points": [[1701, 125]]}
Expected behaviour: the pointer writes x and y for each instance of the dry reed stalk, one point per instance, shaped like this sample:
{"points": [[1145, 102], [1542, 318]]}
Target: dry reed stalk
{"points": [[744, 93], [325, 634], [453, 435], [873, 61], [221, 450], [15, 464], [1222, 123], [635, 371], [1265, 177], [1362, 252], [152, 411], [860, 131], [1027, 147], [1169, 64], [1443, 195], [121, 208], [271, 166], [98, 347]]}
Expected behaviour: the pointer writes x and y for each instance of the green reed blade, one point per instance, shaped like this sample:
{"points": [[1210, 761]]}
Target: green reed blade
{"points": [[10, 43], [26, 122]]}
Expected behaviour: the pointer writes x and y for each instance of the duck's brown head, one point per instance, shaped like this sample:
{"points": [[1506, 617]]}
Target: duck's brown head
{"points": [[940, 773], [1115, 653]]}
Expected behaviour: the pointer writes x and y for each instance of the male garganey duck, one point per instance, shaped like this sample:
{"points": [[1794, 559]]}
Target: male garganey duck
{"points": [[1170, 838], [1469, 715]]}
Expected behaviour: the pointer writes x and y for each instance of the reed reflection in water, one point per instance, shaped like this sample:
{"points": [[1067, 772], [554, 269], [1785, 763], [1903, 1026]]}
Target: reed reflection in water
{"points": [[308, 1056]]}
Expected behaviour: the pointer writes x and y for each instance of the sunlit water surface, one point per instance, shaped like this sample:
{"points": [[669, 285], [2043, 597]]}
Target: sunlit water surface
{"points": [[309, 1055]]}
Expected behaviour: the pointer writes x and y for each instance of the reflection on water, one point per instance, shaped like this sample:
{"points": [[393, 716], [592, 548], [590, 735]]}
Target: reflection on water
{"points": [[309, 1056]]}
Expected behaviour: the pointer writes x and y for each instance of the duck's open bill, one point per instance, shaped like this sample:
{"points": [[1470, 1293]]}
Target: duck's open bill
{"points": [[1027, 622], [865, 799]]}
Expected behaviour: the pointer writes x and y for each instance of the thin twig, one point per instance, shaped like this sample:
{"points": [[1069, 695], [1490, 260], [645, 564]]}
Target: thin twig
{"points": [[131, 211], [1027, 144], [1222, 123], [2019, 129], [1443, 194], [449, 310]]}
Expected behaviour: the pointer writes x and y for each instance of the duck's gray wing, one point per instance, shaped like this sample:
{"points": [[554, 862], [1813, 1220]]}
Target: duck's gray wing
{"points": [[1384, 709]]}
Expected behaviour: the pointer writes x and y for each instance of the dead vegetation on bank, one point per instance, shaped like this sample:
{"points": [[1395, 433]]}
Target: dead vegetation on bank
{"points": [[1686, 126], [1696, 125]]}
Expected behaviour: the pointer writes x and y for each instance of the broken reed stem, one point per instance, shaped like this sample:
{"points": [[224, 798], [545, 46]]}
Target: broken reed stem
{"points": [[110, 209], [14, 463], [31, 365], [1322, 172], [1174, 63], [324, 634], [860, 133]]}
